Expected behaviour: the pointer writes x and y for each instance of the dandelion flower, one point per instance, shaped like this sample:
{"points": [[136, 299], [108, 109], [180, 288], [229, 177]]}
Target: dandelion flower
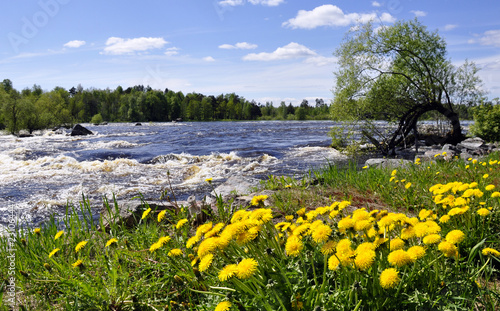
{"points": [[398, 258], [345, 223], [228, 272], [444, 219], [495, 194], [432, 239], [175, 252], [486, 176], [36, 231], [489, 187], [80, 245], [416, 252], [408, 185], [333, 262], [258, 199], [192, 241], [246, 268], [111, 241], [293, 246], [77, 263], [53, 252], [146, 213], [396, 244], [328, 248], [321, 233], [389, 278], [58, 234], [181, 223], [455, 236], [364, 260], [209, 180], [223, 306], [205, 262], [490, 251], [161, 215], [394, 172], [365, 167], [154, 247], [448, 249], [483, 212]]}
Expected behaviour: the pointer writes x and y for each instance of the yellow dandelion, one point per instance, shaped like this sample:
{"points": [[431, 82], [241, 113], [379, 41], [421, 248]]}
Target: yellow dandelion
{"points": [[328, 248], [258, 199], [407, 233], [52, 253], [293, 245], [192, 241], [408, 185], [77, 263], [398, 258], [389, 278], [215, 230], [111, 241], [58, 234], [321, 233], [345, 223], [495, 194], [154, 247], [483, 212], [489, 187], [80, 245], [365, 167], [416, 252], [228, 272], [396, 244], [394, 172], [209, 180], [206, 247], [161, 215], [175, 252], [486, 176], [448, 249], [289, 217], [333, 262], [301, 212], [455, 236], [421, 229], [444, 219], [223, 306], [490, 252], [364, 260], [246, 268], [181, 223], [146, 213], [37, 231], [205, 262], [432, 239]]}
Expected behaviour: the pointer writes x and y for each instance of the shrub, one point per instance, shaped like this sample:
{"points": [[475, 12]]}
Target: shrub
{"points": [[487, 122]]}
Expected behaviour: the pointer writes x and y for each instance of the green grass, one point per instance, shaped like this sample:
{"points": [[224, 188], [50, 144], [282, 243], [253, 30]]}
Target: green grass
{"points": [[284, 257]]}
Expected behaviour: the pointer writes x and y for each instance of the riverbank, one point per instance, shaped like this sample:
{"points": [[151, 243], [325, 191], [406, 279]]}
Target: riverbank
{"points": [[424, 235]]}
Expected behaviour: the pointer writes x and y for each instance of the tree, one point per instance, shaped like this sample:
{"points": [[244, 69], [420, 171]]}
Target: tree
{"points": [[398, 73]]}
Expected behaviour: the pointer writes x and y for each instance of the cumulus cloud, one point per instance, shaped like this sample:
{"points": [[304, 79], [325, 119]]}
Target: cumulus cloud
{"points": [[449, 27], [490, 37], [209, 59], [74, 44], [419, 13], [239, 45], [172, 51], [289, 51], [333, 16], [118, 46], [376, 4]]}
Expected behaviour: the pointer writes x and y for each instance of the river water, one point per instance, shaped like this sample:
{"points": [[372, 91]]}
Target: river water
{"points": [[40, 174]]}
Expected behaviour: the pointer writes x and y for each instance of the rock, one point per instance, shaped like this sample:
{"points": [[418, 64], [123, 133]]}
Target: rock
{"points": [[245, 201], [138, 124], [235, 186], [393, 163], [471, 143], [79, 130]]}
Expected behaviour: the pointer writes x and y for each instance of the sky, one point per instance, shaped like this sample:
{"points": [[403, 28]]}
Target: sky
{"points": [[263, 50]]}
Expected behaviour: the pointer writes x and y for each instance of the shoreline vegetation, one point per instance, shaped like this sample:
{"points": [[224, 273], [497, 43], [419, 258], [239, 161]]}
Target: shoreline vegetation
{"points": [[419, 236]]}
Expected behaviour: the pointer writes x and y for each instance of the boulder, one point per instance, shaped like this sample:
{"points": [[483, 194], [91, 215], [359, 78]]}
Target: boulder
{"points": [[138, 124], [79, 130], [393, 163], [472, 143], [235, 186]]}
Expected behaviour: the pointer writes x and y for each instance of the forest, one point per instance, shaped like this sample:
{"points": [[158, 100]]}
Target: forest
{"points": [[33, 108]]}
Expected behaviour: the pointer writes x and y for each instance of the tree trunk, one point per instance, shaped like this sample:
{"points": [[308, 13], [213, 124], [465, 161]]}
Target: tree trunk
{"points": [[456, 135]]}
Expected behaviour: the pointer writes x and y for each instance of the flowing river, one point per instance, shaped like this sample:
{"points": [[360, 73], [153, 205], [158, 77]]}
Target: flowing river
{"points": [[40, 174]]}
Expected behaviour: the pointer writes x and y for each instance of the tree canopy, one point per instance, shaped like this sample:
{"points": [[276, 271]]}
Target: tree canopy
{"points": [[399, 73]]}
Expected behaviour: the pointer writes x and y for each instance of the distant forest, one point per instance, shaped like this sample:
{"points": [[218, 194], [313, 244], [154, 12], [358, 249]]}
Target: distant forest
{"points": [[32, 108]]}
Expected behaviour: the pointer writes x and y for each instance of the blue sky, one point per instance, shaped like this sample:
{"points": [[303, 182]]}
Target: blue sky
{"points": [[266, 50]]}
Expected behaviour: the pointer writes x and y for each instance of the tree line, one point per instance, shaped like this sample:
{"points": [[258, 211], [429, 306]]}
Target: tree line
{"points": [[33, 108]]}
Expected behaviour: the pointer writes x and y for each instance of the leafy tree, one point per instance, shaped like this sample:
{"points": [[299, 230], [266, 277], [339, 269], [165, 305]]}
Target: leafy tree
{"points": [[487, 121], [398, 73]]}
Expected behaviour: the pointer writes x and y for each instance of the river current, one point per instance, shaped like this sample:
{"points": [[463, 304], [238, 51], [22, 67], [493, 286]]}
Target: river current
{"points": [[40, 174]]}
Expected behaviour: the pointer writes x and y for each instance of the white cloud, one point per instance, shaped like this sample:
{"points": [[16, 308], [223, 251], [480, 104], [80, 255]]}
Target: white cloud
{"points": [[419, 13], [118, 46], [74, 44], [267, 2], [172, 51], [490, 37], [321, 60], [239, 45], [331, 15], [449, 27], [231, 2], [289, 51], [209, 59], [376, 4]]}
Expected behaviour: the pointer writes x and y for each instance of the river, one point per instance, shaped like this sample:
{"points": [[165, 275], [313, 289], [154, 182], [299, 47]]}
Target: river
{"points": [[40, 174]]}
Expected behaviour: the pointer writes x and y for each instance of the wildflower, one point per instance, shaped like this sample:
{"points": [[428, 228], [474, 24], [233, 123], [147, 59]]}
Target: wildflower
{"points": [[424, 214], [46, 266], [421, 229], [174, 252], [448, 249], [161, 215], [495, 194], [489, 187], [53, 252], [301, 212], [486, 176], [398, 258], [396, 244], [77, 263], [432, 239], [416, 252], [455, 236], [216, 229], [181, 223], [163, 240], [394, 172], [154, 247], [294, 245], [204, 229], [223, 306], [206, 247], [111, 241], [209, 180], [328, 248], [192, 241], [365, 167], [345, 223], [392, 178], [483, 212], [246, 236], [205, 262], [444, 219], [333, 262], [408, 185], [258, 199], [58, 235], [321, 233], [389, 278], [246, 268], [228, 272], [37, 231], [80, 245], [364, 260], [490, 251], [407, 233], [289, 217]]}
